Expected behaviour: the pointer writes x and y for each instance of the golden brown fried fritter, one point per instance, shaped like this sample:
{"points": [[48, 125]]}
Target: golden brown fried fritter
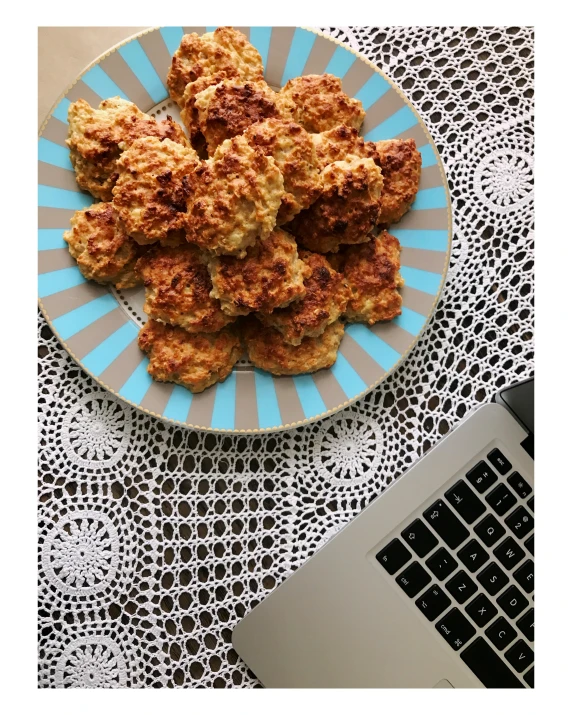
{"points": [[326, 298], [227, 109], [151, 193], [190, 114], [177, 289], [401, 168], [320, 103], [291, 147], [97, 137], [271, 276], [195, 361], [340, 142], [346, 211], [234, 198], [103, 251], [268, 350], [372, 273], [224, 51]]}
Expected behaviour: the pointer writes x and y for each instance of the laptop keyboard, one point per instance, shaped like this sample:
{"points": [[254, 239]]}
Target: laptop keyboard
{"points": [[467, 563]]}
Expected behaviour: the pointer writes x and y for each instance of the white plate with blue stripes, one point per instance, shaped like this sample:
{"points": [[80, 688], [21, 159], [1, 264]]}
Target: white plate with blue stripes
{"points": [[99, 326]]}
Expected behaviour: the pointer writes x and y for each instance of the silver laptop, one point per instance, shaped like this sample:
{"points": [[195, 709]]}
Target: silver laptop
{"points": [[432, 585]]}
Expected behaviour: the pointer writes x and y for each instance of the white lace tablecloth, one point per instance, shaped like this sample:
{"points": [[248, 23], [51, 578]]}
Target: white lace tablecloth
{"points": [[154, 541]]}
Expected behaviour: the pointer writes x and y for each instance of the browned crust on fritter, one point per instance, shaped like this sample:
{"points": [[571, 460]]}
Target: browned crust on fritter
{"points": [[97, 137], [321, 104], [227, 109], [103, 251], [234, 199], [346, 211], [372, 272], [151, 193], [189, 112], [268, 350], [340, 142], [291, 147], [195, 361], [177, 289], [401, 168], [270, 276], [225, 51], [326, 298]]}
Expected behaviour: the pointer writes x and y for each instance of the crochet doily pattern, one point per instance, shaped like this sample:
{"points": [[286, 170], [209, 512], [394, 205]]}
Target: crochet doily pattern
{"points": [[155, 541]]}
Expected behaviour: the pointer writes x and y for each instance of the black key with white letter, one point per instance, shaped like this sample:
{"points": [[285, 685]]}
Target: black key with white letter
{"points": [[520, 485], [419, 538], [488, 667], [501, 500], [433, 602], [441, 563], [501, 633], [524, 576], [465, 502], [413, 579], [481, 610], [455, 629], [393, 556], [520, 656], [509, 553], [489, 530], [520, 522], [492, 578], [446, 524], [473, 556], [499, 461], [526, 625], [461, 586], [482, 477], [512, 602]]}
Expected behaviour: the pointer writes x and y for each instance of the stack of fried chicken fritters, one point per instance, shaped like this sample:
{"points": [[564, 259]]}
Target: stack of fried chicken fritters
{"points": [[265, 231]]}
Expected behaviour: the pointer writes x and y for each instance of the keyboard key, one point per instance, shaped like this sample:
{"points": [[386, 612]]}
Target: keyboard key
{"points": [[520, 485], [446, 524], [509, 553], [520, 656], [455, 629], [489, 530], [393, 556], [433, 602], [492, 578], [465, 501], [501, 633], [419, 538], [413, 579], [530, 503], [524, 576], [529, 544], [481, 610], [520, 522], [526, 625], [512, 602], [501, 500], [529, 678], [488, 667], [461, 586], [482, 477], [499, 461], [442, 564], [473, 556]]}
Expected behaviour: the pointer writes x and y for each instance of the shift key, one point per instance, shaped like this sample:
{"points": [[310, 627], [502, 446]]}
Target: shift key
{"points": [[446, 524]]}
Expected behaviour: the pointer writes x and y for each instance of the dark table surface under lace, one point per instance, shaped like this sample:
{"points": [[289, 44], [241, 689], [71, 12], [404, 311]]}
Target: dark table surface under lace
{"points": [[155, 541]]}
